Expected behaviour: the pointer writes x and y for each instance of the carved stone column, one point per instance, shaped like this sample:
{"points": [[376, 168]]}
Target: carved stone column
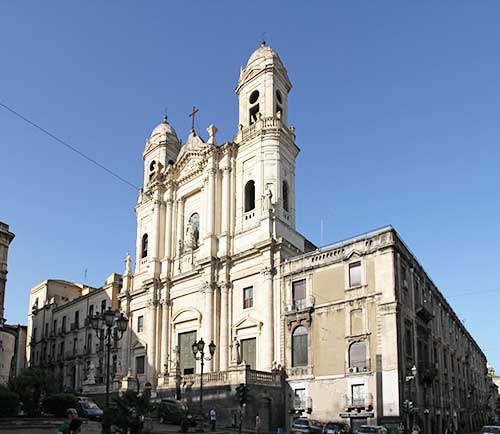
{"points": [[151, 327], [168, 225], [268, 319], [180, 226], [211, 201], [208, 328], [165, 333], [155, 236], [226, 199], [224, 323]]}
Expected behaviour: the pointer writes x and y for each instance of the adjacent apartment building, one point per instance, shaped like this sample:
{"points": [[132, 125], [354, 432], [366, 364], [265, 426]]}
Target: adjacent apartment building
{"points": [[365, 326], [58, 336], [12, 337]]}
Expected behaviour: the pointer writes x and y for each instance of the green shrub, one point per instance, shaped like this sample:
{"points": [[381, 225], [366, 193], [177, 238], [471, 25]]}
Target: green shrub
{"points": [[30, 385], [58, 403], [9, 402]]}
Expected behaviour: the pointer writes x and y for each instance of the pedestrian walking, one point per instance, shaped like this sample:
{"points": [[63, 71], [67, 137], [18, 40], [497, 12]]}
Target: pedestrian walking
{"points": [[213, 418], [72, 425], [257, 423]]}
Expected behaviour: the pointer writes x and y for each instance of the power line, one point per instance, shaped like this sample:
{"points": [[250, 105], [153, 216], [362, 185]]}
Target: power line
{"points": [[63, 142]]}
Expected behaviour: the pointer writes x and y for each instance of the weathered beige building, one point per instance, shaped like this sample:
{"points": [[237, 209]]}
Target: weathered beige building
{"points": [[369, 314], [58, 336], [331, 333], [12, 337]]}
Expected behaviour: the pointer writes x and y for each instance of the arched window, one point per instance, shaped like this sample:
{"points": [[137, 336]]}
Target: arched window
{"points": [[285, 196], [299, 347], [249, 196], [357, 356], [144, 246], [193, 230], [254, 109], [279, 101], [152, 168]]}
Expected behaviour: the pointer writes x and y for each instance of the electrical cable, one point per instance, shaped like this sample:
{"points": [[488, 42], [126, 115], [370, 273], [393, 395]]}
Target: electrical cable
{"points": [[63, 142]]}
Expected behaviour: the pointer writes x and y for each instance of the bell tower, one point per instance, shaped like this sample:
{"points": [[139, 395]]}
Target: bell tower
{"points": [[265, 190]]}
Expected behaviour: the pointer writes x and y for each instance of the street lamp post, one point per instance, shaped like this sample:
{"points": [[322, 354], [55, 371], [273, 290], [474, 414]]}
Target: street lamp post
{"points": [[409, 403], [108, 325], [199, 347]]}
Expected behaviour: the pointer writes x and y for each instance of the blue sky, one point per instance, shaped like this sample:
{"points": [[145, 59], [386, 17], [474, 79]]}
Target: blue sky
{"points": [[395, 104]]}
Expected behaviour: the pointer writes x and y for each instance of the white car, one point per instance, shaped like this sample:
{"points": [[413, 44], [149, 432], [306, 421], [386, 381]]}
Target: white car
{"points": [[490, 429]]}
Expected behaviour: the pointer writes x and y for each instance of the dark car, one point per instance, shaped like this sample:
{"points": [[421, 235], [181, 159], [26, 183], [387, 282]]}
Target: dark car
{"points": [[87, 408], [303, 425], [336, 428], [368, 429], [490, 429]]}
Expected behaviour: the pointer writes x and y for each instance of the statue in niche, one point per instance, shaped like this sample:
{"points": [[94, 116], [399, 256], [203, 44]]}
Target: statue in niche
{"points": [[192, 232], [91, 374], [268, 199]]}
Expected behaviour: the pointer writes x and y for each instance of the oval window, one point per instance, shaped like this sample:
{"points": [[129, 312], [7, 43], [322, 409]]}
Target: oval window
{"points": [[254, 96]]}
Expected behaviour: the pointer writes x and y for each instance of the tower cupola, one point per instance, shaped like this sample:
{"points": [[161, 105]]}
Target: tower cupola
{"points": [[263, 87], [162, 147]]}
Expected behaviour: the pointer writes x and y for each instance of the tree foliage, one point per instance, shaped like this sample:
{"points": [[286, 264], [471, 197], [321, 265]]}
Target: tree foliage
{"points": [[58, 403], [31, 385], [9, 402]]}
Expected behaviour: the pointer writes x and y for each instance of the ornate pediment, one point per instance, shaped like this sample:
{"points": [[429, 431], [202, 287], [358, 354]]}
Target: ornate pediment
{"points": [[187, 314], [139, 346], [353, 253], [248, 322]]}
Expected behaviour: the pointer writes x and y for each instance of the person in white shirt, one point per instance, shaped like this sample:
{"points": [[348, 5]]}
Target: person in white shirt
{"points": [[213, 418]]}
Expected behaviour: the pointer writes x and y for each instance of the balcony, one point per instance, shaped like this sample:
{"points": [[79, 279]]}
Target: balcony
{"points": [[236, 375], [426, 373], [301, 304], [364, 402], [423, 312], [358, 367], [300, 371]]}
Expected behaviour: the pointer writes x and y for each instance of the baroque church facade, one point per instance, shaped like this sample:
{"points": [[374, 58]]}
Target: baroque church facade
{"points": [[352, 331], [213, 222]]}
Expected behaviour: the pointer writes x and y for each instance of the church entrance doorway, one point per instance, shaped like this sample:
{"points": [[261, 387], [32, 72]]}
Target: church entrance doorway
{"points": [[248, 347], [186, 359]]}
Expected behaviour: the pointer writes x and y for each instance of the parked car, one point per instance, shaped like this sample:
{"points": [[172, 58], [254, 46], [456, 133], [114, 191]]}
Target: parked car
{"points": [[303, 425], [87, 408], [490, 429], [336, 428], [368, 429], [171, 411]]}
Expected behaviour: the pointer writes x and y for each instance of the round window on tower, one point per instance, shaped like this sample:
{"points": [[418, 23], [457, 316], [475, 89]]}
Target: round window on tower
{"points": [[254, 96], [278, 97]]}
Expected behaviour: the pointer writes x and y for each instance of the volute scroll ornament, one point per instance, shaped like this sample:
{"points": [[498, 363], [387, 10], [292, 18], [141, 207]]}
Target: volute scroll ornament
{"points": [[267, 271]]}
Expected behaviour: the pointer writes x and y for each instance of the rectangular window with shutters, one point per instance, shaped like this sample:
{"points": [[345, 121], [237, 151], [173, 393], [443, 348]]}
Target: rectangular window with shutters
{"points": [[358, 395], [139, 365], [248, 297], [355, 274], [248, 352], [299, 293]]}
